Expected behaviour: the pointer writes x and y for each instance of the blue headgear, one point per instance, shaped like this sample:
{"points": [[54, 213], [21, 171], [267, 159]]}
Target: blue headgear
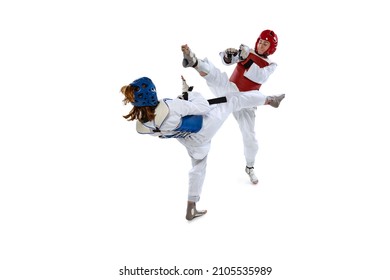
{"points": [[145, 93]]}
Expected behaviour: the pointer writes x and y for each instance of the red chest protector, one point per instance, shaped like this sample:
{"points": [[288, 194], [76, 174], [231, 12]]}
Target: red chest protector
{"points": [[242, 82]]}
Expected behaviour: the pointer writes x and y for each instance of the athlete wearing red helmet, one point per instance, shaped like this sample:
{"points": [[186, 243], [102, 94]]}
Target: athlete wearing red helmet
{"points": [[253, 68], [266, 38]]}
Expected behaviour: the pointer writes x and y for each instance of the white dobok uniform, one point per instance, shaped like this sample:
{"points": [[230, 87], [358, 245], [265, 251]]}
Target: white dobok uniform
{"points": [[250, 78], [170, 115]]}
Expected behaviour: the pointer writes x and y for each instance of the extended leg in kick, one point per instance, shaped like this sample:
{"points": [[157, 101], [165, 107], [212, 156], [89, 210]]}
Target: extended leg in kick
{"points": [[274, 100], [190, 60]]}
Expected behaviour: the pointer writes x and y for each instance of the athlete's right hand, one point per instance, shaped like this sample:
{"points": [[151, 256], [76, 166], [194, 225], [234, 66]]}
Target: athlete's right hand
{"points": [[230, 52], [229, 55]]}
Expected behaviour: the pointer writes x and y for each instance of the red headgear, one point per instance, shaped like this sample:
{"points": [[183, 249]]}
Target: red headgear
{"points": [[271, 37]]}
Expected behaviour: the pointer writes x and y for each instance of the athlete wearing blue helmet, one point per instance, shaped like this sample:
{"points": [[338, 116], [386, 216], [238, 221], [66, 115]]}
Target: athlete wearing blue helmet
{"points": [[145, 92]]}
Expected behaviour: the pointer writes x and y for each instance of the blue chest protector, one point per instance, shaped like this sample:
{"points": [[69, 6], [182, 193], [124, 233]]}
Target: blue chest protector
{"points": [[189, 124]]}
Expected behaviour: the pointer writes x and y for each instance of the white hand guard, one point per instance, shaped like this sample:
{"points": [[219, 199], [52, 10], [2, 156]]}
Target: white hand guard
{"points": [[243, 52], [185, 89]]}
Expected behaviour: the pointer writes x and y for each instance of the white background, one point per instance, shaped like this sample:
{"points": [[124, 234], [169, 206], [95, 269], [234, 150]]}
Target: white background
{"points": [[83, 195]]}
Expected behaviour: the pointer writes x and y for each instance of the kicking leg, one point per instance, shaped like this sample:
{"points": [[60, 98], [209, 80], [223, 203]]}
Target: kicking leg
{"points": [[274, 100], [190, 60]]}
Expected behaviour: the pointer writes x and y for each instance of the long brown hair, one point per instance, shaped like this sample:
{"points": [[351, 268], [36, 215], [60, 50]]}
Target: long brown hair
{"points": [[143, 114]]}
